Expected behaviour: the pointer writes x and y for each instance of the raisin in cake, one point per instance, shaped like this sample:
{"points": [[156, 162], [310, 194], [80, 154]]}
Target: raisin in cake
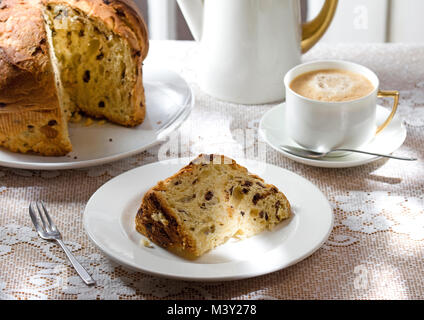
{"points": [[206, 203], [60, 57]]}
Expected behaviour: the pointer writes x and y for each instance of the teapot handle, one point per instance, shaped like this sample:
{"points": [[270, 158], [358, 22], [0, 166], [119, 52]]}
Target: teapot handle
{"points": [[313, 30]]}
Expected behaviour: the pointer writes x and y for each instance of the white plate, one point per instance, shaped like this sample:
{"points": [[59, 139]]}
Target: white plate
{"points": [[169, 100], [272, 130], [110, 213]]}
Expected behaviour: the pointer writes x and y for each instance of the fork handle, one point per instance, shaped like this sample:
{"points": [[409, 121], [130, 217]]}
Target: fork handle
{"points": [[78, 267]]}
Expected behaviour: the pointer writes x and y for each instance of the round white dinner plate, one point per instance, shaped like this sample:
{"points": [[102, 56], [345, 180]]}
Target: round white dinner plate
{"points": [[272, 130], [110, 213], [169, 101]]}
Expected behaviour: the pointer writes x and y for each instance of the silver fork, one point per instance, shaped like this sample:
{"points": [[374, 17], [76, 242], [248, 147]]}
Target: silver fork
{"points": [[48, 231]]}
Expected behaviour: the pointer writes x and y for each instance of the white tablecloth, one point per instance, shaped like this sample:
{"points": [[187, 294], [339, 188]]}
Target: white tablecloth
{"points": [[376, 249]]}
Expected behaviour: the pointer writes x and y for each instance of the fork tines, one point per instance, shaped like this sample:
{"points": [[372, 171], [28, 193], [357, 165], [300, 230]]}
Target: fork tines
{"points": [[48, 225]]}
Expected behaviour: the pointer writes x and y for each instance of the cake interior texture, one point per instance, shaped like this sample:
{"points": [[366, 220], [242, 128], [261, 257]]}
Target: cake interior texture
{"points": [[205, 204], [96, 68]]}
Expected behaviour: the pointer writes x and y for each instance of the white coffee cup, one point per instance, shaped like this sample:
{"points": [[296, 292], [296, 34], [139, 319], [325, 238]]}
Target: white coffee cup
{"points": [[323, 126]]}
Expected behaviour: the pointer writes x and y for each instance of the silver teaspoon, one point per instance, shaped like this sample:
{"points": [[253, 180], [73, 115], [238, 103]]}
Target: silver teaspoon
{"points": [[304, 153]]}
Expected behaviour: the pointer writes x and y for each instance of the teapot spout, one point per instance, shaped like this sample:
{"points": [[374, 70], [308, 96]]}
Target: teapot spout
{"points": [[193, 13]]}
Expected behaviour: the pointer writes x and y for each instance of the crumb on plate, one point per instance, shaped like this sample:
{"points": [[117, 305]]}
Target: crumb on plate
{"points": [[88, 122], [147, 243]]}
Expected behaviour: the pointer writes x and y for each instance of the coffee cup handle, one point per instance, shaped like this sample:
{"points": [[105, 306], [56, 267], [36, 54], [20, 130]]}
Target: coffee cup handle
{"points": [[395, 96]]}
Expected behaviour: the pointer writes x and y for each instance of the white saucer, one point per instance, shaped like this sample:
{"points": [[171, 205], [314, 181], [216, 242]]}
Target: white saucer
{"points": [[169, 101], [110, 213], [271, 129]]}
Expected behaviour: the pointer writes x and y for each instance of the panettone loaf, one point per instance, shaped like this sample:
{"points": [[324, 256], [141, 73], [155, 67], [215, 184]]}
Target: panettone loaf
{"points": [[31, 118], [59, 57], [207, 202]]}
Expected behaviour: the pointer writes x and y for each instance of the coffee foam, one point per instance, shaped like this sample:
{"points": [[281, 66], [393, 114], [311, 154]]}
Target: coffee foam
{"points": [[332, 85]]}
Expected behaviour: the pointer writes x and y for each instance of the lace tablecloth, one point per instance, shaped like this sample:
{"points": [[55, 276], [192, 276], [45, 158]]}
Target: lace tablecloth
{"points": [[375, 251]]}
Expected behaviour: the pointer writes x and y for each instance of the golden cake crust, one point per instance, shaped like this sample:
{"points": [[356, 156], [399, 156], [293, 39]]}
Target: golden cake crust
{"points": [[171, 236], [27, 83]]}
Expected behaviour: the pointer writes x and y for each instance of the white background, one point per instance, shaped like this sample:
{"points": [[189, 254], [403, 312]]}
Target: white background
{"points": [[355, 20]]}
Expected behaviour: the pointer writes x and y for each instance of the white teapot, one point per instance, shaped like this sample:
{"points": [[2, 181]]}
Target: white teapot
{"points": [[247, 46]]}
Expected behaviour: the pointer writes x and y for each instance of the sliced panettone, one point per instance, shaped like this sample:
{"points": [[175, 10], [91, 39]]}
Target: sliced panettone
{"points": [[206, 203], [60, 57], [31, 118]]}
